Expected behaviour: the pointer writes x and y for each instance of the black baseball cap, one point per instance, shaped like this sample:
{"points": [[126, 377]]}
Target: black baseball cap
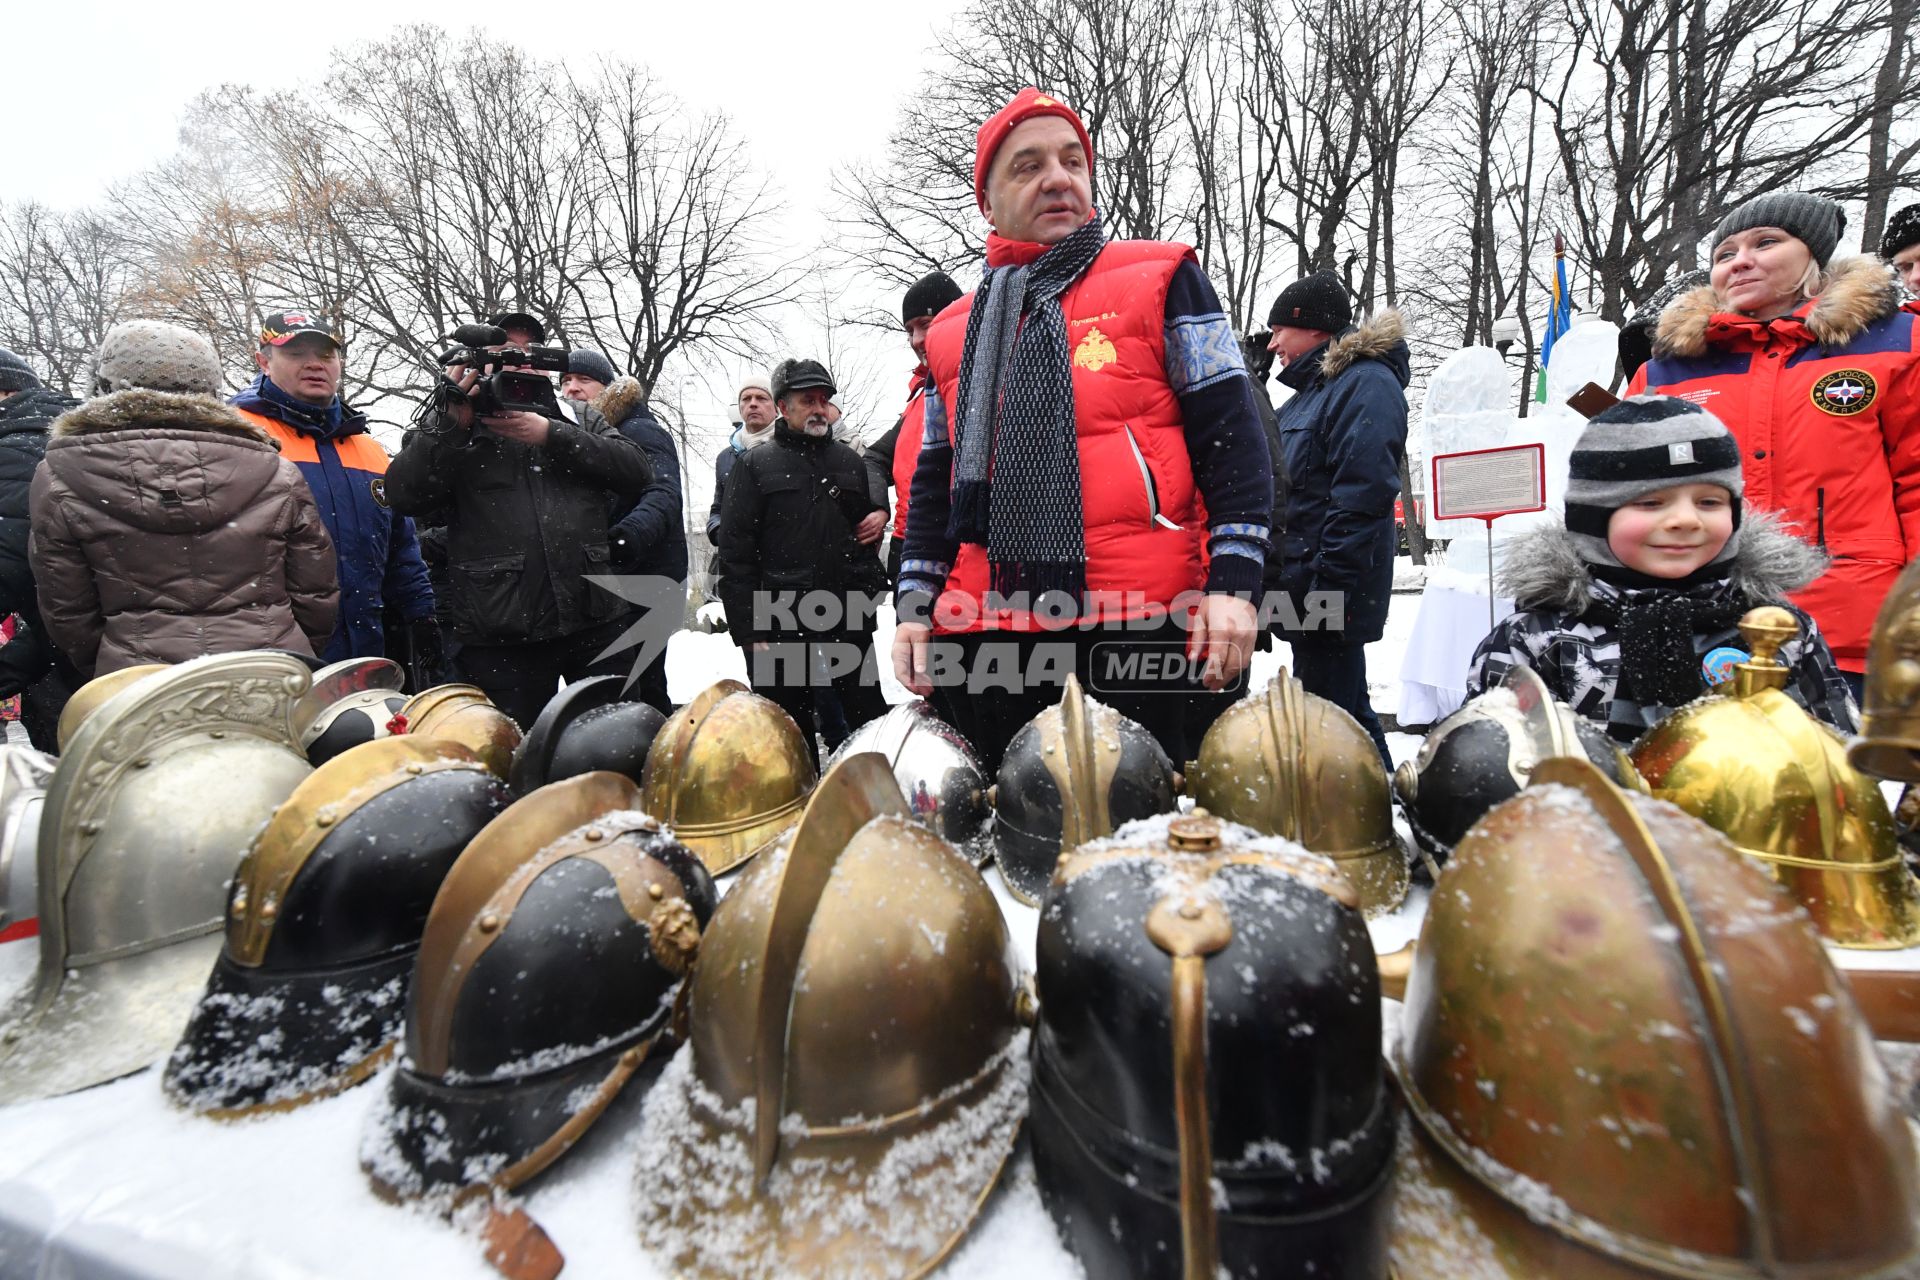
{"points": [[519, 320], [282, 327]]}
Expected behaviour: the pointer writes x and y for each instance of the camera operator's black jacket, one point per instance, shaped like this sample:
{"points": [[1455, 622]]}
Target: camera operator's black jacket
{"points": [[524, 524], [791, 508]]}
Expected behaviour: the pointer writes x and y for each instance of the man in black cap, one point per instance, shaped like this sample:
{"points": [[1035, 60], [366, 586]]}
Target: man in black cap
{"points": [[891, 458], [525, 500], [29, 663], [1343, 434], [798, 573], [649, 533], [1900, 246]]}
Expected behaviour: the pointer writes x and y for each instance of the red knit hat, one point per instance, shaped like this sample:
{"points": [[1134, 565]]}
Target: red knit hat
{"points": [[1026, 104]]}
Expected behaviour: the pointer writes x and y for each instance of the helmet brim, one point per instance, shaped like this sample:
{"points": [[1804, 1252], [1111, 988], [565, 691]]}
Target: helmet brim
{"points": [[429, 1140], [101, 1021], [887, 1198], [260, 1040]]}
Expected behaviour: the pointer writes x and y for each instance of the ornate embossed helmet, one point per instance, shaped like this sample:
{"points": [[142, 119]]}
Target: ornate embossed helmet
{"points": [[1775, 781], [323, 924], [94, 694], [462, 713], [546, 974], [1889, 741], [1208, 1093], [1485, 752], [937, 771], [1073, 773], [584, 727], [351, 702], [1290, 764], [24, 777], [150, 810], [851, 1089], [729, 773], [1695, 1093]]}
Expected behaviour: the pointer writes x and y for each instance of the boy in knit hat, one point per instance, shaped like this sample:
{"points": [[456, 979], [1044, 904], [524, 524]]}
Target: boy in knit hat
{"points": [[1630, 608]]}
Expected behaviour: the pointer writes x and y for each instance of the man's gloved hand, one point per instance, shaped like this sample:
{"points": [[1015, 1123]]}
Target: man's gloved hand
{"points": [[427, 655]]}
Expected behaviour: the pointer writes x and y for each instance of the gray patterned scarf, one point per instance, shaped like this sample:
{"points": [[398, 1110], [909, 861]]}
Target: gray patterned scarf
{"points": [[1017, 462]]}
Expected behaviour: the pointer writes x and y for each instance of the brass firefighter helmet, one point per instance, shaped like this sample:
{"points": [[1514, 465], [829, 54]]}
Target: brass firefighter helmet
{"points": [[937, 771], [150, 810], [1775, 781], [24, 777], [852, 1087], [585, 727], [1632, 1059], [94, 694], [1076, 772], [462, 713], [729, 773], [1889, 741], [1484, 753], [1208, 1092], [546, 974], [323, 923], [1290, 764]]}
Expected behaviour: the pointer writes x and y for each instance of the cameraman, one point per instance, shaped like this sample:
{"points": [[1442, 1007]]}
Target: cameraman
{"points": [[525, 498]]}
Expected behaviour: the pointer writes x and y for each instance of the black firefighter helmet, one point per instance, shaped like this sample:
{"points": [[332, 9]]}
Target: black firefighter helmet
{"points": [[547, 972], [1073, 773], [1208, 1092], [1485, 752], [584, 727], [323, 923]]}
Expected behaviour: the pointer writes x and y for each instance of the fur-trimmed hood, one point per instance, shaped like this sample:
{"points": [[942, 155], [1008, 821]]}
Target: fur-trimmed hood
{"points": [[622, 396], [138, 409], [1543, 571], [1375, 338], [1858, 293]]}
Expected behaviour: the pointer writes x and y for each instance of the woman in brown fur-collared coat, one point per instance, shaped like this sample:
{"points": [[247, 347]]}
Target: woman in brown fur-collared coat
{"points": [[166, 526]]}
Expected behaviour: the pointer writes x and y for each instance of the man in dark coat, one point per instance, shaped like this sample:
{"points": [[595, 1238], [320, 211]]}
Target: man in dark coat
{"points": [[799, 574], [1343, 433], [29, 663], [526, 500], [757, 412], [649, 534]]}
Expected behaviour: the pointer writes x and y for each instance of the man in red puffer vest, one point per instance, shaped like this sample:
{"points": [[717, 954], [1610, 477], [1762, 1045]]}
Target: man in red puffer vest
{"points": [[1093, 479]]}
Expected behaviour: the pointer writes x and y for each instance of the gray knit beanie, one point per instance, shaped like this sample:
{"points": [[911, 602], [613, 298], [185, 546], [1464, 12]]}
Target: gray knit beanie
{"points": [[15, 373], [1814, 220], [155, 355], [1635, 447]]}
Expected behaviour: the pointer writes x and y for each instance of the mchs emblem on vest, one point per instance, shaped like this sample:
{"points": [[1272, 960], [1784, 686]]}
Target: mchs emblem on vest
{"points": [[1095, 352], [378, 486], [1845, 392]]}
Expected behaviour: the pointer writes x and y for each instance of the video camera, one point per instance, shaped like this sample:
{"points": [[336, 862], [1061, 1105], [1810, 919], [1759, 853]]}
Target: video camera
{"points": [[507, 381]]}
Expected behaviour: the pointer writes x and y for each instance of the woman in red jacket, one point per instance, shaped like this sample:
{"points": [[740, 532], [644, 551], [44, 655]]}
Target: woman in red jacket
{"points": [[1815, 369]]}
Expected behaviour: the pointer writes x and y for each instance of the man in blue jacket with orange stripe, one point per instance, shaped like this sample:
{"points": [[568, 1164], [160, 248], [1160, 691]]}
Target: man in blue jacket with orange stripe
{"points": [[296, 400]]}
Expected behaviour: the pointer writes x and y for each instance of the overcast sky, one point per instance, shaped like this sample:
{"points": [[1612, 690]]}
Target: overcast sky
{"points": [[95, 91]]}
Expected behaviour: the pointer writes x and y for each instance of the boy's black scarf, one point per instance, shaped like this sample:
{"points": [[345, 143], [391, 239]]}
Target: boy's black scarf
{"points": [[1656, 620], [1017, 462]]}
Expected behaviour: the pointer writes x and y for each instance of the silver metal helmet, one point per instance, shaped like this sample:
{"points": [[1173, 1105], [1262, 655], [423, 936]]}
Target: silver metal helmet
{"points": [[342, 707], [946, 789], [149, 811], [24, 775]]}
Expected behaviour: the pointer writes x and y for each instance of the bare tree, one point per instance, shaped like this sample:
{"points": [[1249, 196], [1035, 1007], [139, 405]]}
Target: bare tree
{"points": [[63, 278]]}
